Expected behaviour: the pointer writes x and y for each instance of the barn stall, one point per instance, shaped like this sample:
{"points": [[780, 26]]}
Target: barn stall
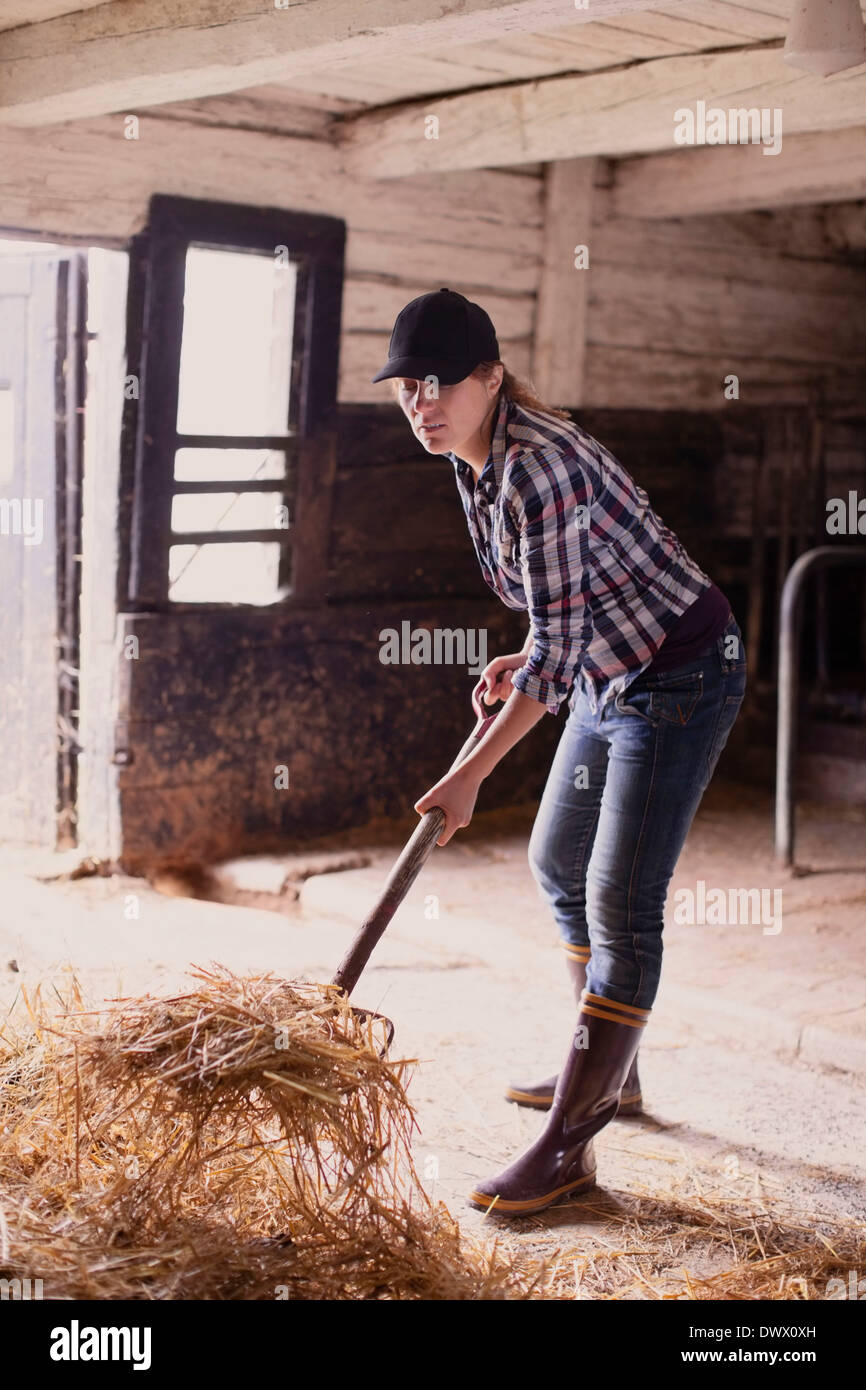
{"points": [[213, 215]]}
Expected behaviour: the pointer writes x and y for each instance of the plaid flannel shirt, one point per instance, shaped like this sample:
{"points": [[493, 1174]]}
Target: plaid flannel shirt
{"points": [[563, 531]]}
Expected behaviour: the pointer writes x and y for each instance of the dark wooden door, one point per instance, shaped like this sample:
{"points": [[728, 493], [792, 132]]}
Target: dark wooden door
{"points": [[41, 343]]}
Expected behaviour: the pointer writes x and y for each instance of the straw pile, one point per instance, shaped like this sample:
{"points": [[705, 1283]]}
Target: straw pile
{"points": [[245, 1140], [242, 1141]]}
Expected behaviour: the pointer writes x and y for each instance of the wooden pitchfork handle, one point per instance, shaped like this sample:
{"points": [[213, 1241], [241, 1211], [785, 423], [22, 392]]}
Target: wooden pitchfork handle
{"points": [[408, 866]]}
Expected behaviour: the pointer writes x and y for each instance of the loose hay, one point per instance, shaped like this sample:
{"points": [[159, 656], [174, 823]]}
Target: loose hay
{"points": [[244, 1140], [709, 1245]]}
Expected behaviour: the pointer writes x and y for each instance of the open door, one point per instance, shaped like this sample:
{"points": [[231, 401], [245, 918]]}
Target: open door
{"points": [[42, 343]]}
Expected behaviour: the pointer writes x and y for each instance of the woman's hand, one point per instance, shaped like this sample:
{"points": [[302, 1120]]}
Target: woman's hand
{"points": [[497, 676], [456, 794]]}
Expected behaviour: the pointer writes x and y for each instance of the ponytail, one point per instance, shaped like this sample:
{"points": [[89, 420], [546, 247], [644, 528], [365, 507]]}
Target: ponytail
{"points": [[512, 388]]}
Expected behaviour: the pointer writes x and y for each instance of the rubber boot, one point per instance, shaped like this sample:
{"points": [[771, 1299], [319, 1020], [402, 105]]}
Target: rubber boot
{"points": [[561, 1162], [539, 1095]]}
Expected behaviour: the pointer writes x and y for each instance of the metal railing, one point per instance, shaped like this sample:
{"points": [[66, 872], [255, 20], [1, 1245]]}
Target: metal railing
{"points": [[790, 622]]}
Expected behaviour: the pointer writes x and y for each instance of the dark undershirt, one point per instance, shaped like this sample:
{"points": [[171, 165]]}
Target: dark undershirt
{"points": [[696, 629]]}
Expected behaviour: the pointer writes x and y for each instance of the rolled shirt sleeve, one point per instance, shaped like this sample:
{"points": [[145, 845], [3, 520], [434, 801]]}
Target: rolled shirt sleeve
{"points": [[550, 505]]}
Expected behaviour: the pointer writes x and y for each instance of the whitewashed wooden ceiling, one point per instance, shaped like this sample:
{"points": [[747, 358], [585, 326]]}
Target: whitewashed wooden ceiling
{"points": [[60, 59], [515, 83], [661, 32]]}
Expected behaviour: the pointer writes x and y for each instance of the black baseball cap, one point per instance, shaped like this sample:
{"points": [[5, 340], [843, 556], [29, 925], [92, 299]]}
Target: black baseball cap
{"points": [[440, 334]]}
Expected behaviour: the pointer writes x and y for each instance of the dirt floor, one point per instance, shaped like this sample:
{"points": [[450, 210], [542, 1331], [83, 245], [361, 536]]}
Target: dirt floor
{"points": [[753, 1065]]}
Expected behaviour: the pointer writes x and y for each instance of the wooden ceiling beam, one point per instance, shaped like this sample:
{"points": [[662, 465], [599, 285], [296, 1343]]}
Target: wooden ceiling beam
{"points": [[630, 110], [131, 54]]}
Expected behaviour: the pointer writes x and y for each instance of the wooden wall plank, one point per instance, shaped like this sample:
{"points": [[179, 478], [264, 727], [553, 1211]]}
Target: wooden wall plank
{"points": [[640, 307], [51, 181], [821, 166], [632, 378], [371, 305], [709, 248], [816, 231], [471, 268]]}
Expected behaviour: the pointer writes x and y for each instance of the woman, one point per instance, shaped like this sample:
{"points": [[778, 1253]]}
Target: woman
{"points": [[643, 646]]}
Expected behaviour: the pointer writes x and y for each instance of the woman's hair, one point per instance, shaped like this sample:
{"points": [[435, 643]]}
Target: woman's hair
{"points": [[512, 388]]}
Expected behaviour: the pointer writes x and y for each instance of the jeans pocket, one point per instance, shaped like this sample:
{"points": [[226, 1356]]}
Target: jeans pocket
{"points": [[639, 702], [675, 698]]}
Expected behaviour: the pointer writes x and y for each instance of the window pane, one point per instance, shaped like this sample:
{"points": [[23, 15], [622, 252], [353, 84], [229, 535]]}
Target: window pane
{"points": [[230, 573], [229, 511], [235, 465], [236, 349]]}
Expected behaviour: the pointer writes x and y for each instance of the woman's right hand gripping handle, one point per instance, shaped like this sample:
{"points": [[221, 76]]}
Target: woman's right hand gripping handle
{"points": [[497, 676]]}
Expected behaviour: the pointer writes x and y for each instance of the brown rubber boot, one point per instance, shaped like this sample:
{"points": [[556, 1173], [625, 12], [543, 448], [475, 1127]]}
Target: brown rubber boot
{"points": [[539, 1095], [562, 1160]]}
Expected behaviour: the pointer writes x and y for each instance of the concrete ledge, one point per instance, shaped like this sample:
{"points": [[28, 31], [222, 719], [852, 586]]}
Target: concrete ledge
{"points": [[832, 1048]]}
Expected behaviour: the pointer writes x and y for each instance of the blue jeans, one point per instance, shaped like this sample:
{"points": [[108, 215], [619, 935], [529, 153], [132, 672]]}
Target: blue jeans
{"points": [[621, 794]]}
